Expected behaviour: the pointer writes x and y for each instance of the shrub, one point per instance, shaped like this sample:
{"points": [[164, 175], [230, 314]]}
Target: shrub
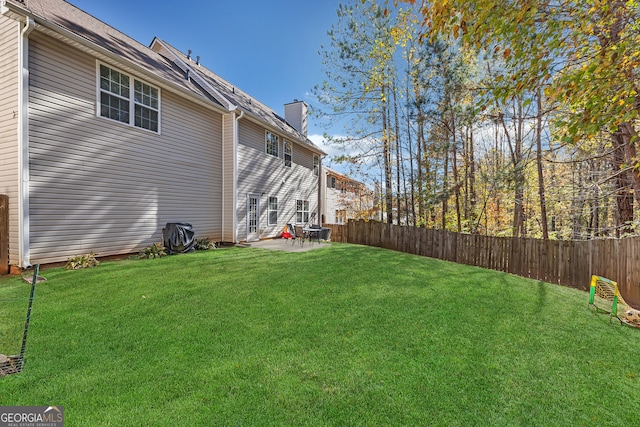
{"points": [[203, 244], [82, 261], [156, 250]]}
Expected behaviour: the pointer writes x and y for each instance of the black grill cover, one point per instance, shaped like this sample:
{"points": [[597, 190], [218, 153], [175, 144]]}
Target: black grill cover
{"points": [[178, 238]]}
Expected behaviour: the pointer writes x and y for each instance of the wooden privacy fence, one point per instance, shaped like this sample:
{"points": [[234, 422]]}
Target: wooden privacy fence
{"points": [[565, 262]]}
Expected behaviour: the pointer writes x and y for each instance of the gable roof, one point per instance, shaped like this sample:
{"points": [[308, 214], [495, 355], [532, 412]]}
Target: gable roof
{"points": [[236, 96], [331, 172], [65, 21]]}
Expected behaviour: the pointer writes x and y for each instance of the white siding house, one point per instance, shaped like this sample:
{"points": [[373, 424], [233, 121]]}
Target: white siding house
{"points": [[104, 140], [344, 198]]}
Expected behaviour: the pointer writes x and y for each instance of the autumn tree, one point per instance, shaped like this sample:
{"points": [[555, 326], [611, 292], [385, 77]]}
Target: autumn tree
{"points": [[583, 54], [360, 86]]}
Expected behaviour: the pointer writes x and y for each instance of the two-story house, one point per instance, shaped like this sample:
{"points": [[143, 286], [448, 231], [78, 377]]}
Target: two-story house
{"points": [[344, 198], [104, 140]]}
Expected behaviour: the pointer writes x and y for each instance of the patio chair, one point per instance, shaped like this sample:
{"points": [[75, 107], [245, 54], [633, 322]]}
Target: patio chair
{"points": [[300, 235]]}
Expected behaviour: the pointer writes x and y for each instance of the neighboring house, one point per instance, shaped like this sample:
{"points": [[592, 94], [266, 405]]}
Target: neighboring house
{"points": [[104, 140], [344, 199]]}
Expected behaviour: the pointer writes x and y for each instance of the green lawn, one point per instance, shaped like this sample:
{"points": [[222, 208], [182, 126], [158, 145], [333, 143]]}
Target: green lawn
{"points": [[343, 335]]}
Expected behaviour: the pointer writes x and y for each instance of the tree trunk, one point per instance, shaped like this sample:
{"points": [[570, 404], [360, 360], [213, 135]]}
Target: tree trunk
{"points": [[411, 172], [541, 194], [454, 154], [396, 122], [472, 176], [445, 186], [388, 173], [624, 191], [421, 178]]}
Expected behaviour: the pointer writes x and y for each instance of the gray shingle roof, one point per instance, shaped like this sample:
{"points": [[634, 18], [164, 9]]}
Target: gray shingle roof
{"points": [[242, 99], [59, 13]]}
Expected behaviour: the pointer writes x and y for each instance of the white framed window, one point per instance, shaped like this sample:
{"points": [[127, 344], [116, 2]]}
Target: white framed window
{"points": [[332, 182], [287, 153], [341, 216], [273, 210], [137, 106], [316, 165], [302, 211], [271, 143]]}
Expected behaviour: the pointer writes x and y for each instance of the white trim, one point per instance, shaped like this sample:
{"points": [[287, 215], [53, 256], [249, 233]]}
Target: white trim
{"points": [[269, 210], [316, 173], [131, 99], [308, 211], [236, 139], [266, 144], [284, 153], [24, 257], [224, 140], [257, 197]]}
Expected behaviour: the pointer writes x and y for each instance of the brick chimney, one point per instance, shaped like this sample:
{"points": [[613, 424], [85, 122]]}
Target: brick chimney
{"points": [[295, 113]]}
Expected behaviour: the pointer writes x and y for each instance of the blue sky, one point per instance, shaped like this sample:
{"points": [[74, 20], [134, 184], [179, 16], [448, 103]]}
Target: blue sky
{"points": [[268, 48]]}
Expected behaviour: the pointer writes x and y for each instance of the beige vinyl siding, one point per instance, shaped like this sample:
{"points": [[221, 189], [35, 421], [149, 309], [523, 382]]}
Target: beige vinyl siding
{"points": [[262, 174], [9, 57], [99, 185]]}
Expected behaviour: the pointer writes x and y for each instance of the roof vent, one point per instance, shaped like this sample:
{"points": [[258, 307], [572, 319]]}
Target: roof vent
{"points": [[198, 60], [189, 54]]}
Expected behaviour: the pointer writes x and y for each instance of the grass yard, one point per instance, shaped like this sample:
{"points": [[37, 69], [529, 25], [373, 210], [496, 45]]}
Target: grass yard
{"points": [[344, 335]]}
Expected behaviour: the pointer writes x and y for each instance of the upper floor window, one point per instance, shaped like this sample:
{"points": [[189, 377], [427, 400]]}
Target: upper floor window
{"points": [[138, 106], [316, 165], [271, 141], [287, 153]]}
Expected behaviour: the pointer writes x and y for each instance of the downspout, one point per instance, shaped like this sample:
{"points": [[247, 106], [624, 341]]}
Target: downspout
{"points": [[320, 204], [236, 137], [23, 144]]}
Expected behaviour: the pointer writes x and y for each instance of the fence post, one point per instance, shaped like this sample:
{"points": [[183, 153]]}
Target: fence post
{"points": [[4, 234]]}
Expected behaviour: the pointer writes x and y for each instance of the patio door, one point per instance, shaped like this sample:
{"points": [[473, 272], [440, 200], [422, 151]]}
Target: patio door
{"points": [[253, 218]]}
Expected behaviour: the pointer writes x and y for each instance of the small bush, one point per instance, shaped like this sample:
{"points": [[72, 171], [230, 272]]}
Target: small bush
{"points": [[82, 261], [156, 250], [203, 244]]}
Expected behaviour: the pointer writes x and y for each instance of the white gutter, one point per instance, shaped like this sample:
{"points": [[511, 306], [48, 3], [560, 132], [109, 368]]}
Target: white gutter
{"points": [[236, 138], [23, 143], [320, 201]]}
